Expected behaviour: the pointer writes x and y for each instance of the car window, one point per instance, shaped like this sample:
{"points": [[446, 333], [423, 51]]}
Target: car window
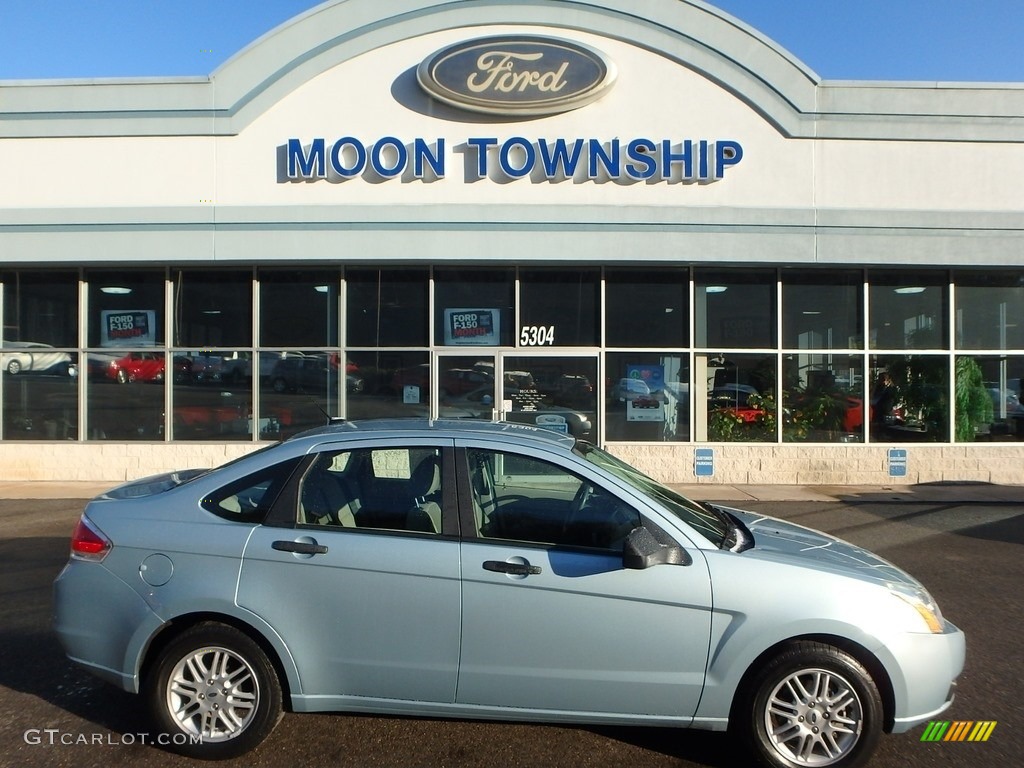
{"points": [[250, 498], [710, 523], [396, 489], [525, 499]]}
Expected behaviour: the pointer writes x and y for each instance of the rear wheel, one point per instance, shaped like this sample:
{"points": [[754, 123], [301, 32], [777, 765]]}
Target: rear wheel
{"points": [[214, 692], [813, 705]]}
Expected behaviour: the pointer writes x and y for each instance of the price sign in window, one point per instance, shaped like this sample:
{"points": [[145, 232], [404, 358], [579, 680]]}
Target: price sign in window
{"points": [[472, 327], [128, 328]]}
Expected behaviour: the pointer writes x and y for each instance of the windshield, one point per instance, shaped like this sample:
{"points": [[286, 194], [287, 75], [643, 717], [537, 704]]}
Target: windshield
{"points": [[709, 522]]}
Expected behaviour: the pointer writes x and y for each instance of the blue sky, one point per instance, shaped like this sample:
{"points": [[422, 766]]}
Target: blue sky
{"points": [[947, 40]]}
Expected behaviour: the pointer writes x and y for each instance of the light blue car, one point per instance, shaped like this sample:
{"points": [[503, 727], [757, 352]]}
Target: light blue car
{"points": [[478, 570]]}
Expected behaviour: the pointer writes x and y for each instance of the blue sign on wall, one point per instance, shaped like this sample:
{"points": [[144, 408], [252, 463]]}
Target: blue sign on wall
{"points": [[897, 462], [704, 462]]}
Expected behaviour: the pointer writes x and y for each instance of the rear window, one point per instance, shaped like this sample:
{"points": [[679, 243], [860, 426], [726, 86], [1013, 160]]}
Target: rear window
{"points": [[250, 498]]}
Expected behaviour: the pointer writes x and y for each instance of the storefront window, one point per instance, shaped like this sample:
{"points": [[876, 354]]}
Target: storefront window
{"points": [[822, 309], [990, 310], [299, 308], [909, 398], [298, 391], [126, 309], [125, 394], [41, 308], [38, 355], [387, 384], [212, 395], [646, 308], [823, 398], [988, 404], [558, 308], [739, 403], [40, 402], [231, 384], [908, 309], [474, 307], [648, 396], [735, 309], [212, 308], [387, 307]]}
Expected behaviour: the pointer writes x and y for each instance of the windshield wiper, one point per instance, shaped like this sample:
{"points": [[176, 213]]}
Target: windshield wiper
{"points": [[738, 538]]}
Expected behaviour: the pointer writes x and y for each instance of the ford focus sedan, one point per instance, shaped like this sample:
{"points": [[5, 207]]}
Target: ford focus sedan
{"points": [[478, 570]]}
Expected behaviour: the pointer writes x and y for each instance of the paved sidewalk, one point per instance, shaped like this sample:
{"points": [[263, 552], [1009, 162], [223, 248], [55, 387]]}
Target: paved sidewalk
{"points": [[929, 493]]}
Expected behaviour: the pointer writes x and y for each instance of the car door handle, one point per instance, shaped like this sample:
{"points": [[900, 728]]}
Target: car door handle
{"points": [[300, 547], [516, 569]]}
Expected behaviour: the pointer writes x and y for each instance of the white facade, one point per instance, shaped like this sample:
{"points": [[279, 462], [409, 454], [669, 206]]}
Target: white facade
{"points": [[193, 172]]}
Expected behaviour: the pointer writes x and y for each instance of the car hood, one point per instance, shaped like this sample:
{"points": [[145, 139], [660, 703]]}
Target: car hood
{"points": [[150, 486], [778, 538]]}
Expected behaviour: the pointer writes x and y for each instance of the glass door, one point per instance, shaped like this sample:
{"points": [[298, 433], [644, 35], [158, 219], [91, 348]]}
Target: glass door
{"points": [[555, 391], [464, 386]]}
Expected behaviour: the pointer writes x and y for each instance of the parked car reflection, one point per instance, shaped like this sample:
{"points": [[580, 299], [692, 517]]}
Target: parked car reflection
{"points": [[147, 366], [24, 356], [317, 373]]}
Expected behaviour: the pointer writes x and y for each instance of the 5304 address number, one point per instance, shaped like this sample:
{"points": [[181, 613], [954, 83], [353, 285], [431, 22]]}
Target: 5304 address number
{"points": [[537, 336]]}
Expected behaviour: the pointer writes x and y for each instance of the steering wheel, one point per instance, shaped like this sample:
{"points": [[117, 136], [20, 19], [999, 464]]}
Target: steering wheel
{"points": [[579, 501]]}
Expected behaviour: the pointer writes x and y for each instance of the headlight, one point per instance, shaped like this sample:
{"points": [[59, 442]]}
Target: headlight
{"points": [[919, 599]]}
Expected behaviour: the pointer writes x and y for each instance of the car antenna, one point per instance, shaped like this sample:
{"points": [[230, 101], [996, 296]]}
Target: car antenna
{"points": [[316, 404]]}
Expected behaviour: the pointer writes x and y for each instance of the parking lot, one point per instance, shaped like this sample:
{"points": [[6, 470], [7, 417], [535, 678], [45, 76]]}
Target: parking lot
{"points": [[969, 554]]}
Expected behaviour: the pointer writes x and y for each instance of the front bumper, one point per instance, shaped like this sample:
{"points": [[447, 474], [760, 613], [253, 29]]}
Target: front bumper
{"points": [[928, 666]]}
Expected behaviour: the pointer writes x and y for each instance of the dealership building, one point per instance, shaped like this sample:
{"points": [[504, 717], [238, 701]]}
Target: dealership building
{"points": [[644, 224]]}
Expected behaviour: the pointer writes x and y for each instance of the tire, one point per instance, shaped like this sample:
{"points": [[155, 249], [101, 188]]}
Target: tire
{"points": [[233, 709], [812, 706], [14, 367], [122, 376]]}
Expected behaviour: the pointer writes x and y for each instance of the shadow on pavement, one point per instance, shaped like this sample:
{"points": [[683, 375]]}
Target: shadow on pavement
{"points": [[38, 665]]}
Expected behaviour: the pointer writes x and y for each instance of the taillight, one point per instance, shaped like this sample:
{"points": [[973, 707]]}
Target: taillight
{"points": [[88, 542]]}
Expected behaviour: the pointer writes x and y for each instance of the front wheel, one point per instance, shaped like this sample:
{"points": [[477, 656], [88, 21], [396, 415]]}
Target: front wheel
{"points": [[214, 693], [812, 706]]}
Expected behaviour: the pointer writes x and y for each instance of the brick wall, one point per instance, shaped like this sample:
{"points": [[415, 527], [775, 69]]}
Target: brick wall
{"points": [[733, 464]]}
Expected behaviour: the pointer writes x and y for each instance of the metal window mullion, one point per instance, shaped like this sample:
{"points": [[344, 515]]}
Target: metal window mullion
{"points": [[170, 322], [778, 356], [339, 330], [83, 364], [866, 328], [254, 361], [602, 314]]}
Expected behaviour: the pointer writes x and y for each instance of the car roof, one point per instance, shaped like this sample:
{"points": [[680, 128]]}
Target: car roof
{"points": [[399, 427]]}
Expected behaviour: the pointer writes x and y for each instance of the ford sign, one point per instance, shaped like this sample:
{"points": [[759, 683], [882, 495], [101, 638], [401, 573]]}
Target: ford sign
{"points": [[516, 75]]}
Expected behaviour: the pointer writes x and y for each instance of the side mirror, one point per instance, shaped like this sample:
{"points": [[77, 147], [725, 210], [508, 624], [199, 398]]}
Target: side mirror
{"points": [[642, 550]]}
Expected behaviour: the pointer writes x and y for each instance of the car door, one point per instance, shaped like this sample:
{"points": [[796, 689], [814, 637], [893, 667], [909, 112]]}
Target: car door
{"points": [[361, 575], [551, 618]]}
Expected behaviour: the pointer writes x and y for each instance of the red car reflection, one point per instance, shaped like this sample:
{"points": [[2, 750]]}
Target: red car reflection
{"points": [[146, 366]]}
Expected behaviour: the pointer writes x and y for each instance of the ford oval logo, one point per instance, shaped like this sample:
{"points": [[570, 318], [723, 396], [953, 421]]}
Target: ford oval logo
{"points": [[516, 75]]}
